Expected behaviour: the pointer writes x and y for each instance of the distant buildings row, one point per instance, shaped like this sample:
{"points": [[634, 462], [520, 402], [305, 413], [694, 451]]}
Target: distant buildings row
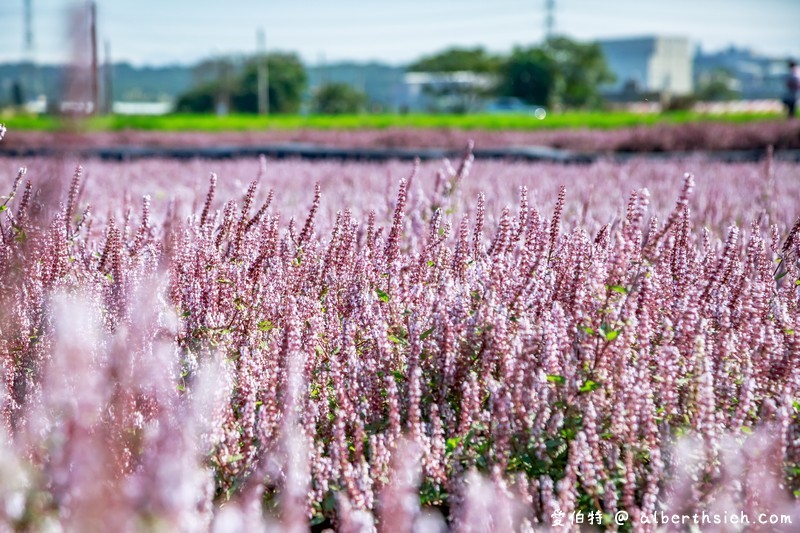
{"points": [[659, 66], [670, 65]]}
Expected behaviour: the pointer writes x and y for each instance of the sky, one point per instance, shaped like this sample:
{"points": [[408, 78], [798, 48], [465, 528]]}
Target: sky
{"points": [[159, 32]]}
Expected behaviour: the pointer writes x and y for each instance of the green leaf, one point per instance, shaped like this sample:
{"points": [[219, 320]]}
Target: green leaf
{"points": [[397, 340], [317, 519], [452, 443], [558, 380], [779, 276], [265, 325], [425, 334], [431, 263], [382, 296], [589, 386], [619, 288], [234, 458], [587, 330], [608, 333], [3, 208], [224, 281], [797, 282]]}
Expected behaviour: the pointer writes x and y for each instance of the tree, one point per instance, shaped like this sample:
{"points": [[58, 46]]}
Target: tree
{"points": [[287, 82], [338, 99], [222, 83], [717, 85], [529, 75], [214, 81], [458, 59], [17, 94], [560, 72], [581, 71], [199, 99]]}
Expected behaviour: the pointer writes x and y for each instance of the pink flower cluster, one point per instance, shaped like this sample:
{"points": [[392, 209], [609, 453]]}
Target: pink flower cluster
{"points": [[478, 350]]}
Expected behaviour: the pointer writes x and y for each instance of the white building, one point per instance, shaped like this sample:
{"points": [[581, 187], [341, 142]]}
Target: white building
{"points": [[445, 91], [649, 64]]}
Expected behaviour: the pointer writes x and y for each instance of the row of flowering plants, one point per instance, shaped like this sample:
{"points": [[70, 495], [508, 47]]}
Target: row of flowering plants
{"points": [[420, 365]]}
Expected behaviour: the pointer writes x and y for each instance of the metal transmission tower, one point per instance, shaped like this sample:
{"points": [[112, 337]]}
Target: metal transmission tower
{"points": [[28, 14], [263, 73], [550, 7], [95, 78]]}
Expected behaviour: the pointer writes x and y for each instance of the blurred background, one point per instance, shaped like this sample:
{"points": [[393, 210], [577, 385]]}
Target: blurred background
{"points": [[525, 57]]}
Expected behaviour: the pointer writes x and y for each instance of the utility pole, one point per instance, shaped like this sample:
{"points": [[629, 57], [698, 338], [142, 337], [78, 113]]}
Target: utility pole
{"points": [[29, 69], [263, 73], [93, 38], [550, 7], [108, 86]]}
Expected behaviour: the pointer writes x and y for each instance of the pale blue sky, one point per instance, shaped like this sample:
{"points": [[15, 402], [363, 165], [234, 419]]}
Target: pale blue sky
{"points": [[163, 31]]}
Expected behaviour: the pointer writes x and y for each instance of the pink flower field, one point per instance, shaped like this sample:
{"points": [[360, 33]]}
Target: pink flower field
{"points": [[467, 346]]}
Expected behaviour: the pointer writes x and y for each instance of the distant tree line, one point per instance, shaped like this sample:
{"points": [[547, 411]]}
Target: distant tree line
{"points": [[559, 72], [228, 85]]}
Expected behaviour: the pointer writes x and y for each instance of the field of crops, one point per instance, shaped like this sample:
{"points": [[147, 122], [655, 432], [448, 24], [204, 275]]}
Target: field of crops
{"points": [[473, 121], [477, 346]]}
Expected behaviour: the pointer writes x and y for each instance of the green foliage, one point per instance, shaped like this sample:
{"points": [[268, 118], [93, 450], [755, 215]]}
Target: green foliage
{"points": [[338, 99], [425, 334], [681, 103], [198, 99], [287, 82], [608, 332], [718, 85], [589, 386], [562, 72], [581, 71], [446, 97], [221, 82], [601, 120], [529, 74], [458, 59]]}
